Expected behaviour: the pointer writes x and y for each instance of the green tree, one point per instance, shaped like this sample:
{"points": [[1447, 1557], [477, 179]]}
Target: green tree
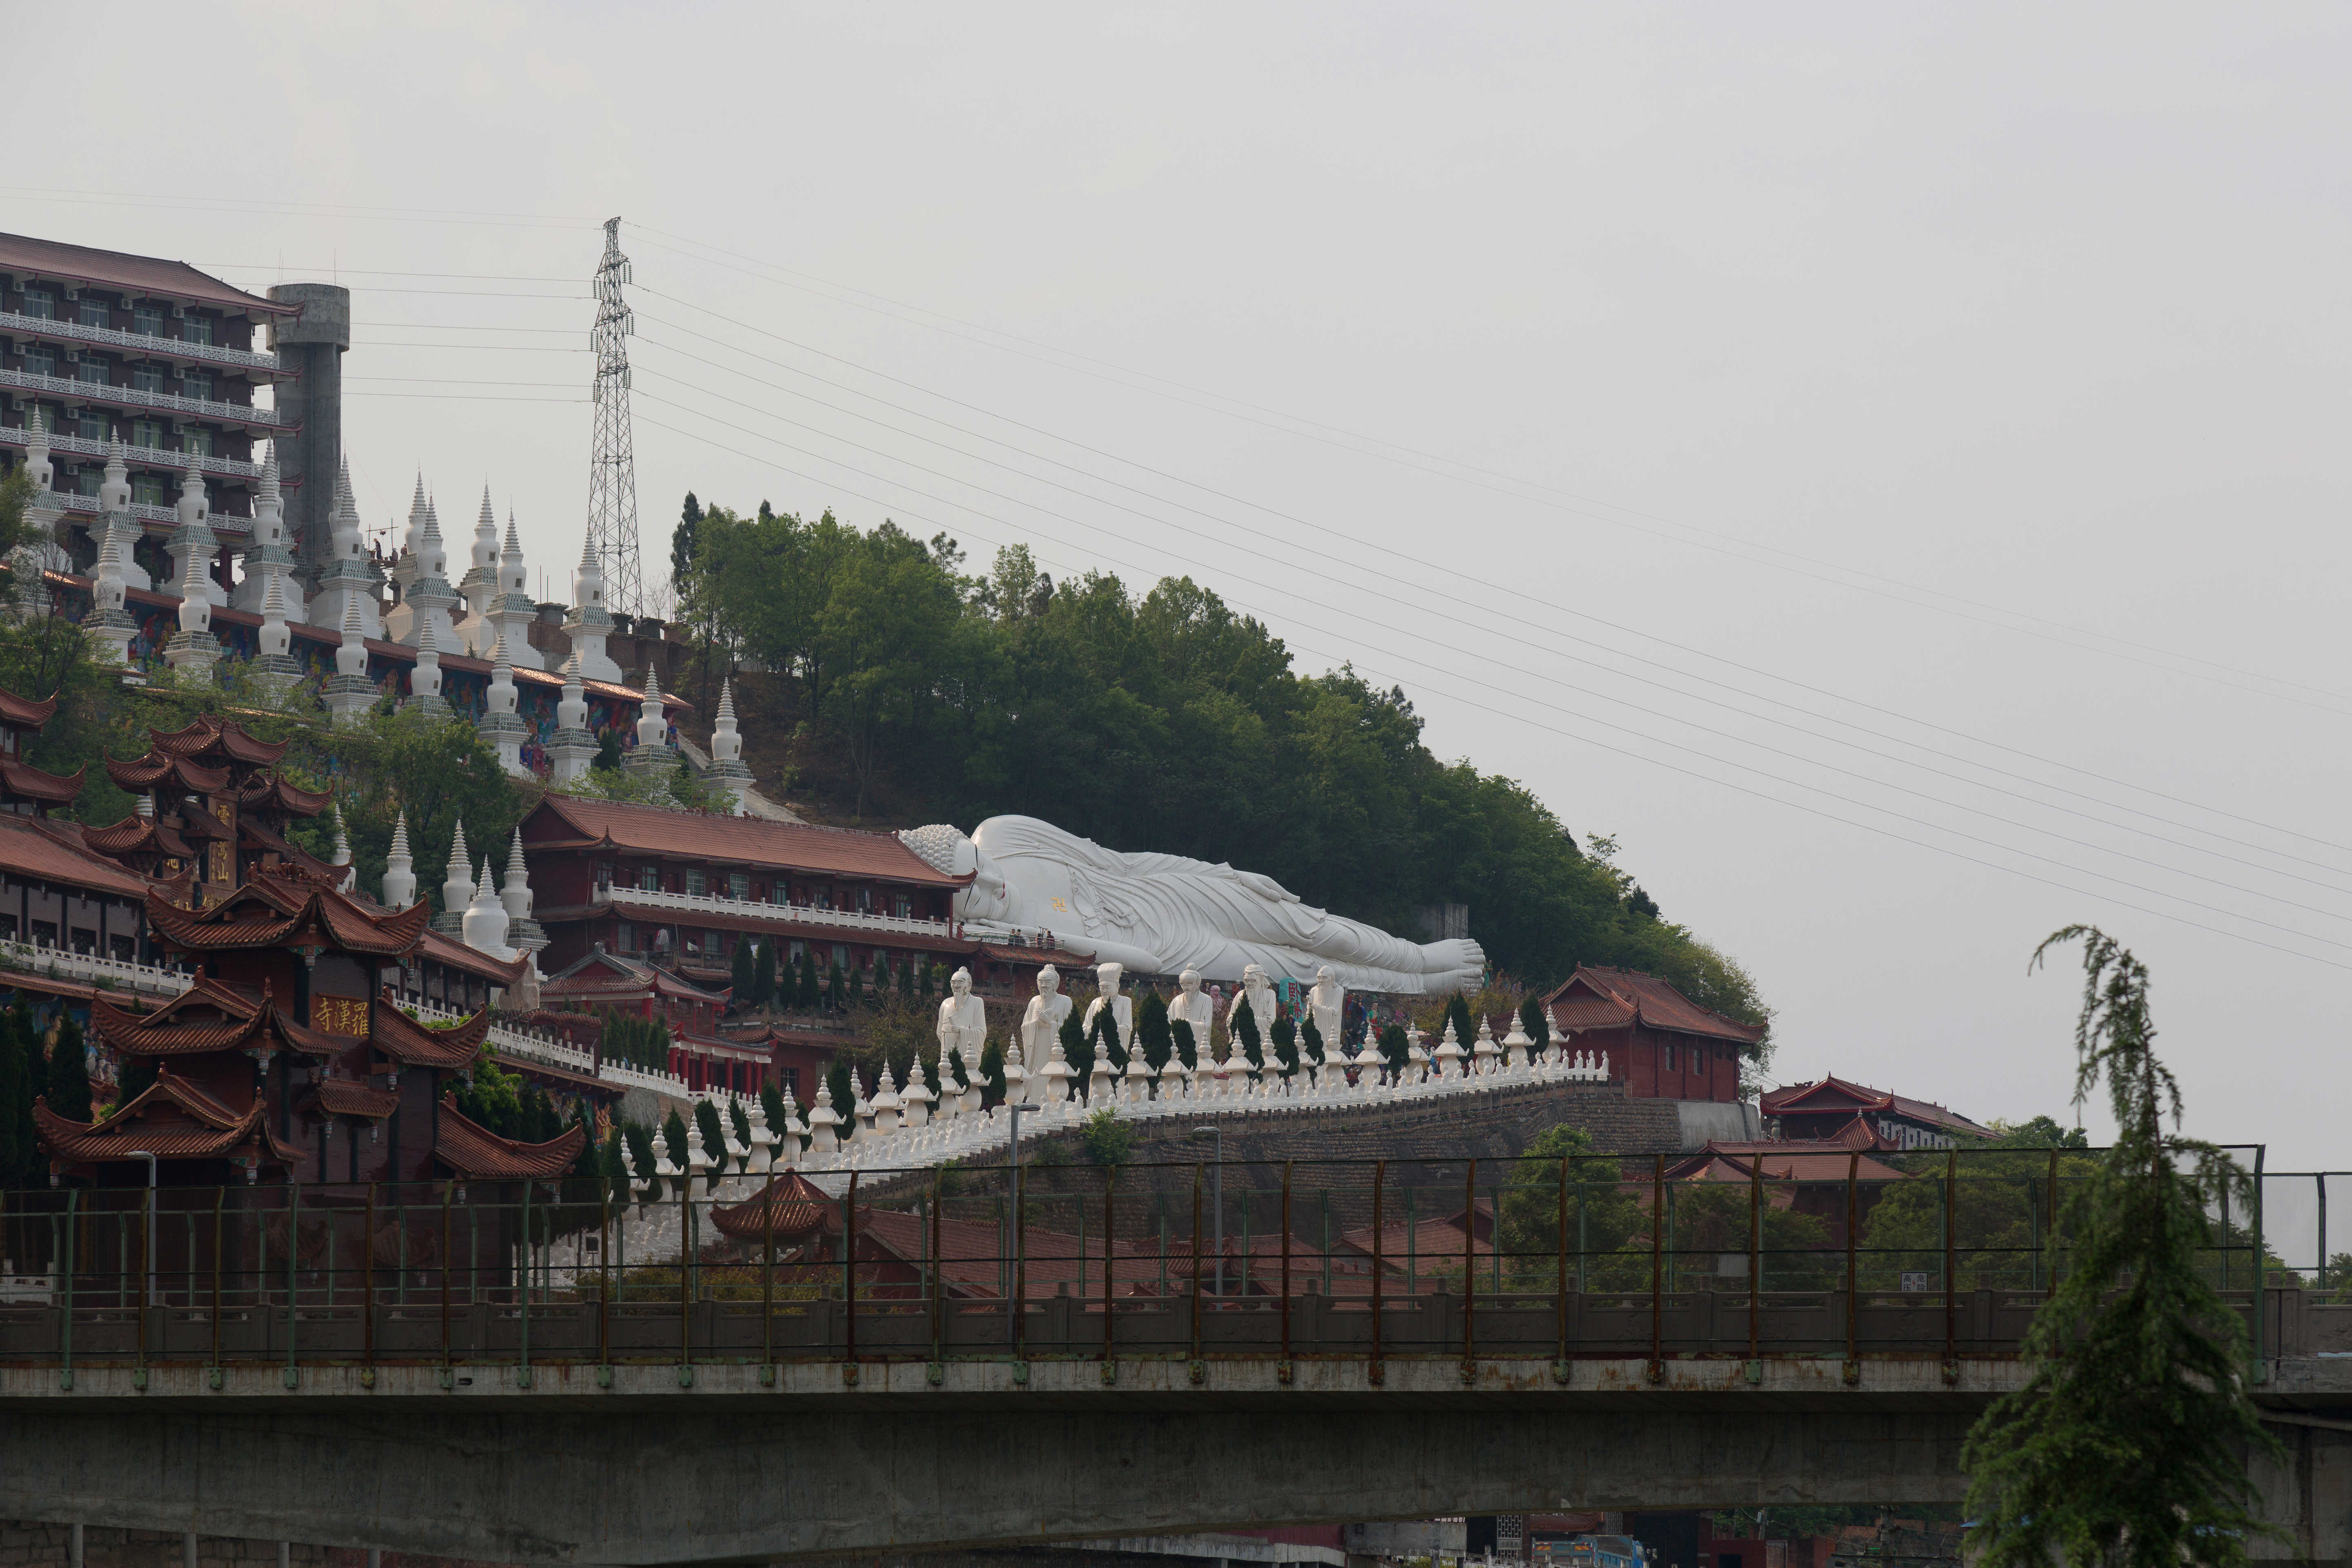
{"points": [[763, 973], [1180, 1034], [1536, 1023], [69, 1085], [682, 541], [844, 1085], [674, 1138], [746, 972], [493, 1099], [835, 985], [907, 981], [1104, 1038], [1107, 1139], [2125, 1446], [772, 1101], [1310, 1041], [1286, 1040], [806, 994], [1457, 1013], [992, 1073], [714, 1132], [640, 1140], [1603, 1216], [1396, 1049], [1077, 1049], [608, 759], [930, 980], [19, 1154], [1242, 1024]]}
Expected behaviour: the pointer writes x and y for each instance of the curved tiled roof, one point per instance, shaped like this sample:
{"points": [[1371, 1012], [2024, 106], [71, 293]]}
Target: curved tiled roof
{"points": [[1600, 998], [794, 1205], [473, 1151], [296, 910], [171, 1118], [22, 712], [33, 850], [210, 732], [344, 1097], [143, 274], [734, 840], [283, 796], [411, 1044], [143, 773], [57, 789]]}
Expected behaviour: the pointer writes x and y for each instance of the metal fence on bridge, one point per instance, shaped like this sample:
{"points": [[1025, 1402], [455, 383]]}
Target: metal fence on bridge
{"points": [[1935, 1252]]}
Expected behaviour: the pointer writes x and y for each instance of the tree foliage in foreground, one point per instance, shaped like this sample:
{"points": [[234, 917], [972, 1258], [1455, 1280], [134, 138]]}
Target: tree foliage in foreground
{"points": [[2127, 1445]]}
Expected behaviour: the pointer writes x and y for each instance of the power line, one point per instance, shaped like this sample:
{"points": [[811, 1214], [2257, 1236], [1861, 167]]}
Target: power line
{"points": [[1722, 540], [1612, 670], [1483, 608], [1519, 717]]}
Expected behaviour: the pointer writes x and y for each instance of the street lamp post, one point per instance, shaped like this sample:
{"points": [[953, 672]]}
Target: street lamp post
{"points": [[1217, 1196], [1015, 1110]]}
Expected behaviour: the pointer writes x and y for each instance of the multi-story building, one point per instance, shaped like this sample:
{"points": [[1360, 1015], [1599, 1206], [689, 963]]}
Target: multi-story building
{"points": [[106, 345]]}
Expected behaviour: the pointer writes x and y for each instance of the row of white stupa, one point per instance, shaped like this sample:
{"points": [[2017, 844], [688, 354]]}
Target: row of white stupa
{"points": [[495, 627]]}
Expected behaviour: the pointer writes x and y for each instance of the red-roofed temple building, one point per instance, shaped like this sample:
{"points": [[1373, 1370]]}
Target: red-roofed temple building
{"points": [[288, 1059], [685, 886], [1835, 1109], [1661, 1043]]}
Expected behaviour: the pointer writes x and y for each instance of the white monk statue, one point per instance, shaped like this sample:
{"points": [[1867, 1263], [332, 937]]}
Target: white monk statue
{"points": [[963, 1027], [1041, 1028], [1258, 992], [1195, 1008], [1163, 914], [1122, 1008], [1326, 1004]]}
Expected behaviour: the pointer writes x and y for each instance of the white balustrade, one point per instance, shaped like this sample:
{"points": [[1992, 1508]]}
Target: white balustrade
{"points": [[143, 344], [166, 402], [799, 914], [40, 958], [148, 456]]}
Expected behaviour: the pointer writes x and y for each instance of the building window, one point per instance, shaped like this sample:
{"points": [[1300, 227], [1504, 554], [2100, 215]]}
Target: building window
{"points": [[39, 304], [628, 937], [739, 885], [649, 879], [864, 901], [40, 359], [45, 934], [903, 906], [85, 942], [148, 491], [91, 372], [196, 384], [695, 884], [146, 378], [148, 432], [147, 321], [196, 442], [93, 313], [196, 330], [122, 949], [90, 425], [7, 927], [1670, 1055]]}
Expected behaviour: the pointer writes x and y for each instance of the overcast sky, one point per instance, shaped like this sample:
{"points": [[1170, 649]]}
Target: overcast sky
{"points": [[1922, 392]]}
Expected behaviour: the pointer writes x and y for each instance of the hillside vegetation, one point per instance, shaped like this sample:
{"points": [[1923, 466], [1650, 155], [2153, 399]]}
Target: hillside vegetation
{"points": [[901, 686]]}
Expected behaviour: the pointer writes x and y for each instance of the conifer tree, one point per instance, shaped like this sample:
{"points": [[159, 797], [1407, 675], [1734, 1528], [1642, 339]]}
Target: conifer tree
{"points": [[1078, 1050], [1104, 1037], [1536, 1023], [640, 1140], [907, 980], [881, 976], [1286, 1040], [1457, 1013], [746, 974], [134, 1077], [615, 1168], [1151, 1030], [68, 1085], [804, 993], [1243, 1027], [992, 1073], [1180, 1034], [742, 1124], [674, 1135], [608, 751], [772, 1100], [1310, 1042], [1395, 1048], [2127, 1446], [763, 975], [930, 976], [834, 985], [25, 1085], [844, 1085], [714, 1131]]}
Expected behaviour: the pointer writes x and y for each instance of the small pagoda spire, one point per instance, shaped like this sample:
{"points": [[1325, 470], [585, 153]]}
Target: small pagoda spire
{"points": [[727, 767], [196, 647], [653, 718], [458, 885], [342, 855], [571, 748], [114, 489], [38, 467], [485, 928], [399, 870]]}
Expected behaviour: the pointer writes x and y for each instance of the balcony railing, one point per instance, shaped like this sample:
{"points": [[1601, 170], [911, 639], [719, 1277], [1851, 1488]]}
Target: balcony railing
{"points": [[800, 914], [102, 392], [138, 342], [40, 958], [138, 457]]}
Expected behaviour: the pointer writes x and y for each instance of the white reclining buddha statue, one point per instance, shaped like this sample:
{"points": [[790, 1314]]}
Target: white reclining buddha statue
{"points": [[1160, 914]]}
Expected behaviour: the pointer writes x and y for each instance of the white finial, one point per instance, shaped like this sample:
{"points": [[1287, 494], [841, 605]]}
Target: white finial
{"points": [[653, 718], [457, 885], [114, 489], [399, 872], [342, 839]]}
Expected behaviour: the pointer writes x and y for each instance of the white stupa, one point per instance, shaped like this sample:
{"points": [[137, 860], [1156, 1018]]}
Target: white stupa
{"points": [[399, 870], [349, 577], [591, 622]]}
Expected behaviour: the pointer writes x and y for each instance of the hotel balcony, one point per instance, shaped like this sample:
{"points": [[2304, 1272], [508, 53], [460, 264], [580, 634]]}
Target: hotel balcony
{"points": [[264, 421], [138, 342]]}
